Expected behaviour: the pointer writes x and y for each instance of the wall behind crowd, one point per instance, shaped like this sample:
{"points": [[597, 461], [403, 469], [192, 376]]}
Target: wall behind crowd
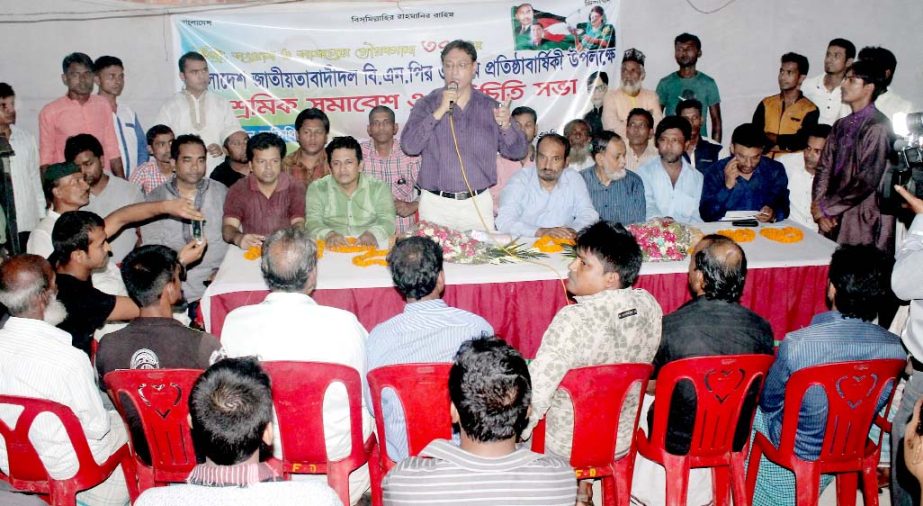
{"points": [[742, 42]]}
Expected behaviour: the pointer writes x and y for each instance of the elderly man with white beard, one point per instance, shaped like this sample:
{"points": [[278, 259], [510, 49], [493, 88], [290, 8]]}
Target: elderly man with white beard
{"points": [[37, 360], [616, 192], [631, 94]]}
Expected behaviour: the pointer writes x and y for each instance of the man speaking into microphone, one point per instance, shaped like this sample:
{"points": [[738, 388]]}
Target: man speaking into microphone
{"points": [[482, 127]]}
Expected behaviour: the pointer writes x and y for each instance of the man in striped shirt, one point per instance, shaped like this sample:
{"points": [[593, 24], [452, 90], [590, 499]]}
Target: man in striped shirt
{"points": [[491, 391], [428, 330]]}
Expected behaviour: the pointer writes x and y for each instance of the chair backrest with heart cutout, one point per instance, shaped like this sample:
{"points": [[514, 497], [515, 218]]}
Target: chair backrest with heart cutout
{"points": [[722, 385], [855, 392]]}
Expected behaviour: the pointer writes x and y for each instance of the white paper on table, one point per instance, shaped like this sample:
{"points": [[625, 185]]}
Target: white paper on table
{"points": [[739, 215]]}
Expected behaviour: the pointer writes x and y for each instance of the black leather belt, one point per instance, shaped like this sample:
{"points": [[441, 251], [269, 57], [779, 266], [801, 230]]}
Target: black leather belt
{"points": [[917, 365], [456, 196]]}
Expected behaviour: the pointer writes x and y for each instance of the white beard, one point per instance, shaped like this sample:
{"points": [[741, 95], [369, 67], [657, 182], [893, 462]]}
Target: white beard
{"points": [[579, 155], [615, 175], [55, 312], [631, 88]]}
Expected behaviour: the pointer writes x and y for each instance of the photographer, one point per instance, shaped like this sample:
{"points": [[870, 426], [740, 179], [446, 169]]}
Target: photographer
{"points": [[907, 284]]}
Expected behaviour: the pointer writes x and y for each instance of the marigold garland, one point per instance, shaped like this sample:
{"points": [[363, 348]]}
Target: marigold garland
{"points": [[371, 257], [253, 253], [783, 234], [548, 244], [738, 234]]}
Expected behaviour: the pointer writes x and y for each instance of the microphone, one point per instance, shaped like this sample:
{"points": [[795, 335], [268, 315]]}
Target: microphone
{"points": [[453, 86]]}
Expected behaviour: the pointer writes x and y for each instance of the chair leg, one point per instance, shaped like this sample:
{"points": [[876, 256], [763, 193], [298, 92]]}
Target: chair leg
{"points": [[720, 485], [870, 485], [846, 488], [610, 496], [807, 485], [338, 479], [738, 488], [622, 487], [129, 469], [677, 473]]}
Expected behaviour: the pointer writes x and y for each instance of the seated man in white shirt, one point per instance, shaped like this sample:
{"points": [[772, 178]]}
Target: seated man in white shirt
{"points": [[548, 199], [672, 187], [289, 325], [230, 411], [800, 168], [38, 361]]}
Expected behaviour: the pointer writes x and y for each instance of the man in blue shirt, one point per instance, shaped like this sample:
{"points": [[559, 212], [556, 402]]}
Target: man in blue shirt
{"points": [[548, 199], [858, 281], [746, 181], [427, 331]]}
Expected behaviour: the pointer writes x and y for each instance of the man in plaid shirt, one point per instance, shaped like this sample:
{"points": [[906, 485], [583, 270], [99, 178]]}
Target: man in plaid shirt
{"points": [[385, 161]]}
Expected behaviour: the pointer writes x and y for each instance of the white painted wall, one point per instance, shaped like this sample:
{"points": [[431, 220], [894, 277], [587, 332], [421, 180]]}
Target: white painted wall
{"points": [[742, 43]]}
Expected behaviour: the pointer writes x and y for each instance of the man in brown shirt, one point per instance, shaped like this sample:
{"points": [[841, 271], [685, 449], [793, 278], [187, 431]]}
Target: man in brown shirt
{"points": [[267, 200], [309, 162]]}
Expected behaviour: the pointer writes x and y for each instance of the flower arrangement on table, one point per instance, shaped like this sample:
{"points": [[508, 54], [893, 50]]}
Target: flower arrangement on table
{"points": [[664, 240], [548, 244], [460, 248], [786, 235], [738, 235]]}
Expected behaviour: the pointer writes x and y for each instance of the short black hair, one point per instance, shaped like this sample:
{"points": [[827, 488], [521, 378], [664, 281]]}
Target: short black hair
{"points": [[748, 136], [860, 274], [820, 130], [669, 122], [602, 139], [147, 270], [490, 386], [724, 278], [263, 141], [230, 405], [107, 61], [191, 55], [557, 137], [72, 233], [288, 258], [847, 46], [79, 58], [524, 109], [689, 103], [688, 37], [415, 264], [644, 113], [463, 45], [381, 108], [312, 113], [604, 77], [615, 248], [884, 57], [156, 130], [871, 72], [6, 91], [79, 143], [344, 142], [797, 59], [183, 140]]}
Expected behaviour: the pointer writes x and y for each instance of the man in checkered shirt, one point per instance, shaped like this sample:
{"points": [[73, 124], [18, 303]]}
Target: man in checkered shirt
{"points": [[385, 161]]}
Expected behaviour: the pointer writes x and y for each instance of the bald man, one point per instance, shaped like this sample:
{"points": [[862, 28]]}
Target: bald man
{"points": [[37, 360]]}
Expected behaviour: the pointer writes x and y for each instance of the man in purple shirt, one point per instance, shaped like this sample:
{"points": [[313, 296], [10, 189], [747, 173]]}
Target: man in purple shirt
{"points": [[454, 182]]}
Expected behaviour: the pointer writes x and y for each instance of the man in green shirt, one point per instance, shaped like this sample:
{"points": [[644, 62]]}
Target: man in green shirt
{"points": [[347, 203]]}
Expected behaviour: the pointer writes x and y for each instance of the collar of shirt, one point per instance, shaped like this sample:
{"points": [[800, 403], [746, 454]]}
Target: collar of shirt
{"points": [[240, 475], [829, 316], [38, 328], [200, 189], [363, 185], [605, 294], [396, 152], [285, 181], [424, 305], [449, 452], [289, 298], [155, 321]]}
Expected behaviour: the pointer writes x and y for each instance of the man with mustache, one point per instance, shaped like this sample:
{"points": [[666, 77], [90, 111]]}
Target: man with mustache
{"points": [[631, 94]]}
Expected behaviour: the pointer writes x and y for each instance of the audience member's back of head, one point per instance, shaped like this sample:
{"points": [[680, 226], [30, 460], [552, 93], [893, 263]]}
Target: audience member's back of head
{"points": [[491, 389], [230, 406], [860, 275], [147, 270], [23, 278], [615, 247], [415, 264], [723, 265], [289, 260]]}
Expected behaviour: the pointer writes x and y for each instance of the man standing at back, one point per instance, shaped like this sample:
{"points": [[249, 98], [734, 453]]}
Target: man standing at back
{"points": [[630, 95], [110, 78], [785, 118], [290, 325], [24, 173], [687, 82], [78, 112], [385, 161], [454, 184], [427, 331], [824, 89], [195, 110]]}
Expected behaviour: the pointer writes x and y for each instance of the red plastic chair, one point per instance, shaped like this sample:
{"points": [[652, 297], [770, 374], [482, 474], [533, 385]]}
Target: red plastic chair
{"points": [[598, 394], [852, 390], [27, 473], [160, 397], [721, 385], [298, 390]]}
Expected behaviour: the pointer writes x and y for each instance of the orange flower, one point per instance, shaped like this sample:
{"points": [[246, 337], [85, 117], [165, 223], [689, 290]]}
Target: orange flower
{"points": [[371, 257], [547, 244], [738, 234], [253, 253], [783, 234]]}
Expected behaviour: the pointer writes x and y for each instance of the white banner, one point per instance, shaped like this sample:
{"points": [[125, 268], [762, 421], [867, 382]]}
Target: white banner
{"points": [[347, 58]]}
